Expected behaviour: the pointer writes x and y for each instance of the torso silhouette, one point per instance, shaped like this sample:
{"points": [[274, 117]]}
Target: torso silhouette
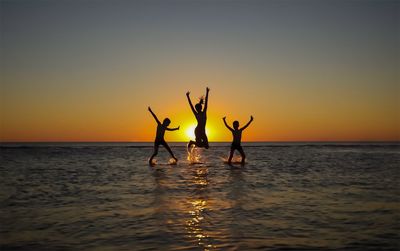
{"points": [[201, 121], [160, 132], [237, 136]]}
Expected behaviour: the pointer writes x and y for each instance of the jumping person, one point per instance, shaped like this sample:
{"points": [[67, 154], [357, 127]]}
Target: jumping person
{"points": [[237, 138], [201, 117], [161, 127]]}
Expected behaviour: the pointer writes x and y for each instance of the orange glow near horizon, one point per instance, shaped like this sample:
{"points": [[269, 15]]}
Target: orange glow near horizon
{"points": [[142, 128], [133, 123], [318, 74]]}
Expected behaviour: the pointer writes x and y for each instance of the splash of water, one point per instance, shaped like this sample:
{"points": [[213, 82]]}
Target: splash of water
{"points": [[153, 162], [172, 161], [235, 160], [194, 155]]}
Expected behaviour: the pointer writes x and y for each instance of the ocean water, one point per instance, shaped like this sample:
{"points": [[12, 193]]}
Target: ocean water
{"points": [[288, 196]]}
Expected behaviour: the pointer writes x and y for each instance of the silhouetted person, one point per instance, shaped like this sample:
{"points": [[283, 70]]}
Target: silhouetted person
{"points": [[237, 138], [160, 136], [201, 117]]}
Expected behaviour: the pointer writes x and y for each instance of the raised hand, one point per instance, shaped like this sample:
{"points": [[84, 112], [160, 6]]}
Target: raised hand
{"points": [[148, 108], [226, 124], [251, 117], [187, 94], [207, 89], [178, 127]]}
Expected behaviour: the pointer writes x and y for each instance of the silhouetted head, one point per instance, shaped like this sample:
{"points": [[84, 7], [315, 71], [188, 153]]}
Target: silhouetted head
{"points": [[236, 124], [199, 105], [166, 122]]}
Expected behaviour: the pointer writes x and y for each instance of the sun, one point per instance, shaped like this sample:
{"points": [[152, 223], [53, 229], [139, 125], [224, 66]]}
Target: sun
{"points": [[190, 132]]}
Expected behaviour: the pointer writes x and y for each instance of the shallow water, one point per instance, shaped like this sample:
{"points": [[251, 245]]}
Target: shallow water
{"points": [[287, 196]]}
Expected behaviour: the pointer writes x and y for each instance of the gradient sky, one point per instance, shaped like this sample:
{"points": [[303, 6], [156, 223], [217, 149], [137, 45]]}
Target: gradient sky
{"points": [[306, 70]]}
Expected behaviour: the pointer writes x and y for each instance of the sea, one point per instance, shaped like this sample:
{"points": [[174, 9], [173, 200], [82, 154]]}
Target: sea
{"points": [[287, 196]]}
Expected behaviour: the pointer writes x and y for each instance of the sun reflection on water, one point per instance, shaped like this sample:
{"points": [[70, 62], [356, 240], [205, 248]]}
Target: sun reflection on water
{"points": [[199, 206]]}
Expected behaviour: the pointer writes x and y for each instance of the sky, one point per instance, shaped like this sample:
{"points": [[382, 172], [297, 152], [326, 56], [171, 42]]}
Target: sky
{"points": [[306, 70]]}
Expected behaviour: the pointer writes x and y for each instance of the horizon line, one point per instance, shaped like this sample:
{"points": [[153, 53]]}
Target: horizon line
{"points": [[257, 141]]}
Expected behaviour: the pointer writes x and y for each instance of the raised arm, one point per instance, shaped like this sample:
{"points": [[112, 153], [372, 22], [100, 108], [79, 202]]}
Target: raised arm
{"points": [[172, 129], [230, 128], [206, 104], [248, 123], [155, 117], [190, 103]]}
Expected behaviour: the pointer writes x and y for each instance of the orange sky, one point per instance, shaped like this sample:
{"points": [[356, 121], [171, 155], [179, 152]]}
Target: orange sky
{"points": [[127, 119], [308, 72]]}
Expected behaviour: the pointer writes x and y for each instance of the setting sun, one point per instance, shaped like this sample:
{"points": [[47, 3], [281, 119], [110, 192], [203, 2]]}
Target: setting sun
{"points": [[291, 87], [189, 132], [199, 125]]}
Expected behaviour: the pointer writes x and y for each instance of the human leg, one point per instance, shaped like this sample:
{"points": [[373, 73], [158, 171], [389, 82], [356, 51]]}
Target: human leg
{"points": [[205, 141], [190, 144], [165, 144], [240, 149], [231, 155], [155, 152]]}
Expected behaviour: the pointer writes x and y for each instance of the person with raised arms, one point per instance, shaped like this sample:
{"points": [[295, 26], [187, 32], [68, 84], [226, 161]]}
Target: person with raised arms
{"points": [[201, 116], [159, 140], [237, 138]]}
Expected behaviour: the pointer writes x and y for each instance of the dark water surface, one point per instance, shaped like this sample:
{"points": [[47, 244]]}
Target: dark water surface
{"points": [[288, 196]]}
